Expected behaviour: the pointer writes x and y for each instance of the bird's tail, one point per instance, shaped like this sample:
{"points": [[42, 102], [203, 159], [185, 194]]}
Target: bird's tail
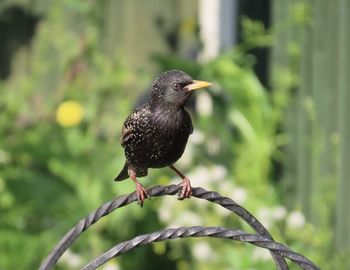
{"points": [[123, 173]]}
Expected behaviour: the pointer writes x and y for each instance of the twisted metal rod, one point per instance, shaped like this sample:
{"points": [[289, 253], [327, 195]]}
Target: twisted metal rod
{"points": [[70, 237], [199, 231]]}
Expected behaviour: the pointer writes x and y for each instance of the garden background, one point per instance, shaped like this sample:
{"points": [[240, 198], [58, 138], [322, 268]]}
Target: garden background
{"points": [[272, 133]]}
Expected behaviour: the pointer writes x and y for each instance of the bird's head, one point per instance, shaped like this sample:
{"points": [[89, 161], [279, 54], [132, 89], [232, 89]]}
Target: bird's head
{"points": [[175, 87]]}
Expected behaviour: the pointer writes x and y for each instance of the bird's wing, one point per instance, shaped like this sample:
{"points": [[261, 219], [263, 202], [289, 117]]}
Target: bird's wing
{"points": [[131, 123], [126, 134]]}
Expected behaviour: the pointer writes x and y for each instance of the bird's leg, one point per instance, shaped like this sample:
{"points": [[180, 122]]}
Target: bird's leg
{"points": [[186, 191], [141, 192]]}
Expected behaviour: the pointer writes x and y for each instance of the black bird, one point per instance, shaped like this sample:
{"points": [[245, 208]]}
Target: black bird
{"points": [[155, 134]]}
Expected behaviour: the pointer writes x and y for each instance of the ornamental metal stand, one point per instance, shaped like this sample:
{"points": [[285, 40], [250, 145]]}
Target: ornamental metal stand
{"points": [[262, 239]]}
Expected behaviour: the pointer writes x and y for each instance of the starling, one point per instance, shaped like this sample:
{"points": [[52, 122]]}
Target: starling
{"points": [[155, 134]]}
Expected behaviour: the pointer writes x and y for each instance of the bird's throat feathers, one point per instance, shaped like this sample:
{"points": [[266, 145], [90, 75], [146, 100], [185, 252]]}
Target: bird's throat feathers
{"points": [[169, 116], [178, 99]]}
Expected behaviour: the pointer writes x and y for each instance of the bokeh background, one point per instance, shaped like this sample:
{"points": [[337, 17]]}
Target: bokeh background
{"points": [[272, 133]]}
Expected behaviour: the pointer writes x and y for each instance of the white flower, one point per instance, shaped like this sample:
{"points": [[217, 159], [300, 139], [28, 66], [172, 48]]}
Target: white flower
{"points": [[265, 217], [186, 159], [213, 145], [218, 172], [261, 254], [279, 213], [222, 211], [239, 195], [204, 104], [71, 259], [4, 157], [268, 216], [197, 137], [187, 218], [202, 251], [111, 265], [200, 176], [2, 185], [296, 220], [166, 212], [225, 186], [204, 175]]}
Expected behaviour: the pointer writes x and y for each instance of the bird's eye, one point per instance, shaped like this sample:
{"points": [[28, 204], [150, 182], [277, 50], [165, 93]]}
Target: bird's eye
{"points": [[176, 86]]}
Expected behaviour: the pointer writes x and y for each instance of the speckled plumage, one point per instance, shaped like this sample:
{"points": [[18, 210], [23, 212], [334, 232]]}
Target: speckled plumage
{"points": [[155, 134]]}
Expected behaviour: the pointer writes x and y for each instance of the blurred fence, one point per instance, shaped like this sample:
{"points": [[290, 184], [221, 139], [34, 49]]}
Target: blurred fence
{"points": [[263, 239], [313, 40]]}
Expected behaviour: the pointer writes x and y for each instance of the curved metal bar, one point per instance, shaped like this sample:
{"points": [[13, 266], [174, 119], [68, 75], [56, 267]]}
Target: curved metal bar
{"points": [[199, 231], [157, 191]]}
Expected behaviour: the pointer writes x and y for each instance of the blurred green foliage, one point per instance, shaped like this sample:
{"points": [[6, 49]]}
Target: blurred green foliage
{"points": [[51, 175]]}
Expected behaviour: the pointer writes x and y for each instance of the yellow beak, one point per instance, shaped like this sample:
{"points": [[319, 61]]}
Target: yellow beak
{"points": [[198, 85]]}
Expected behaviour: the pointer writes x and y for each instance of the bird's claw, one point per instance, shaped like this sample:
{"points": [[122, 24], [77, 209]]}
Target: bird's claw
{"points": [[186, 191], [142, 194]]}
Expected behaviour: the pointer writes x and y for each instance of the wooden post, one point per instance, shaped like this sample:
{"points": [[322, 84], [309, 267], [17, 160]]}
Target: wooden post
{"points": [[343, 194], [218, 27]]}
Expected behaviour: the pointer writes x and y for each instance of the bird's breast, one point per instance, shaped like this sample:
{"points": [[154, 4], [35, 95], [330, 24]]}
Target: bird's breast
{"points": [[160, 138]]}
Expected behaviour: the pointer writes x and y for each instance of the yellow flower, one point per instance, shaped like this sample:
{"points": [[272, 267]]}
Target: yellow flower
{"points": [[69, 113]]}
